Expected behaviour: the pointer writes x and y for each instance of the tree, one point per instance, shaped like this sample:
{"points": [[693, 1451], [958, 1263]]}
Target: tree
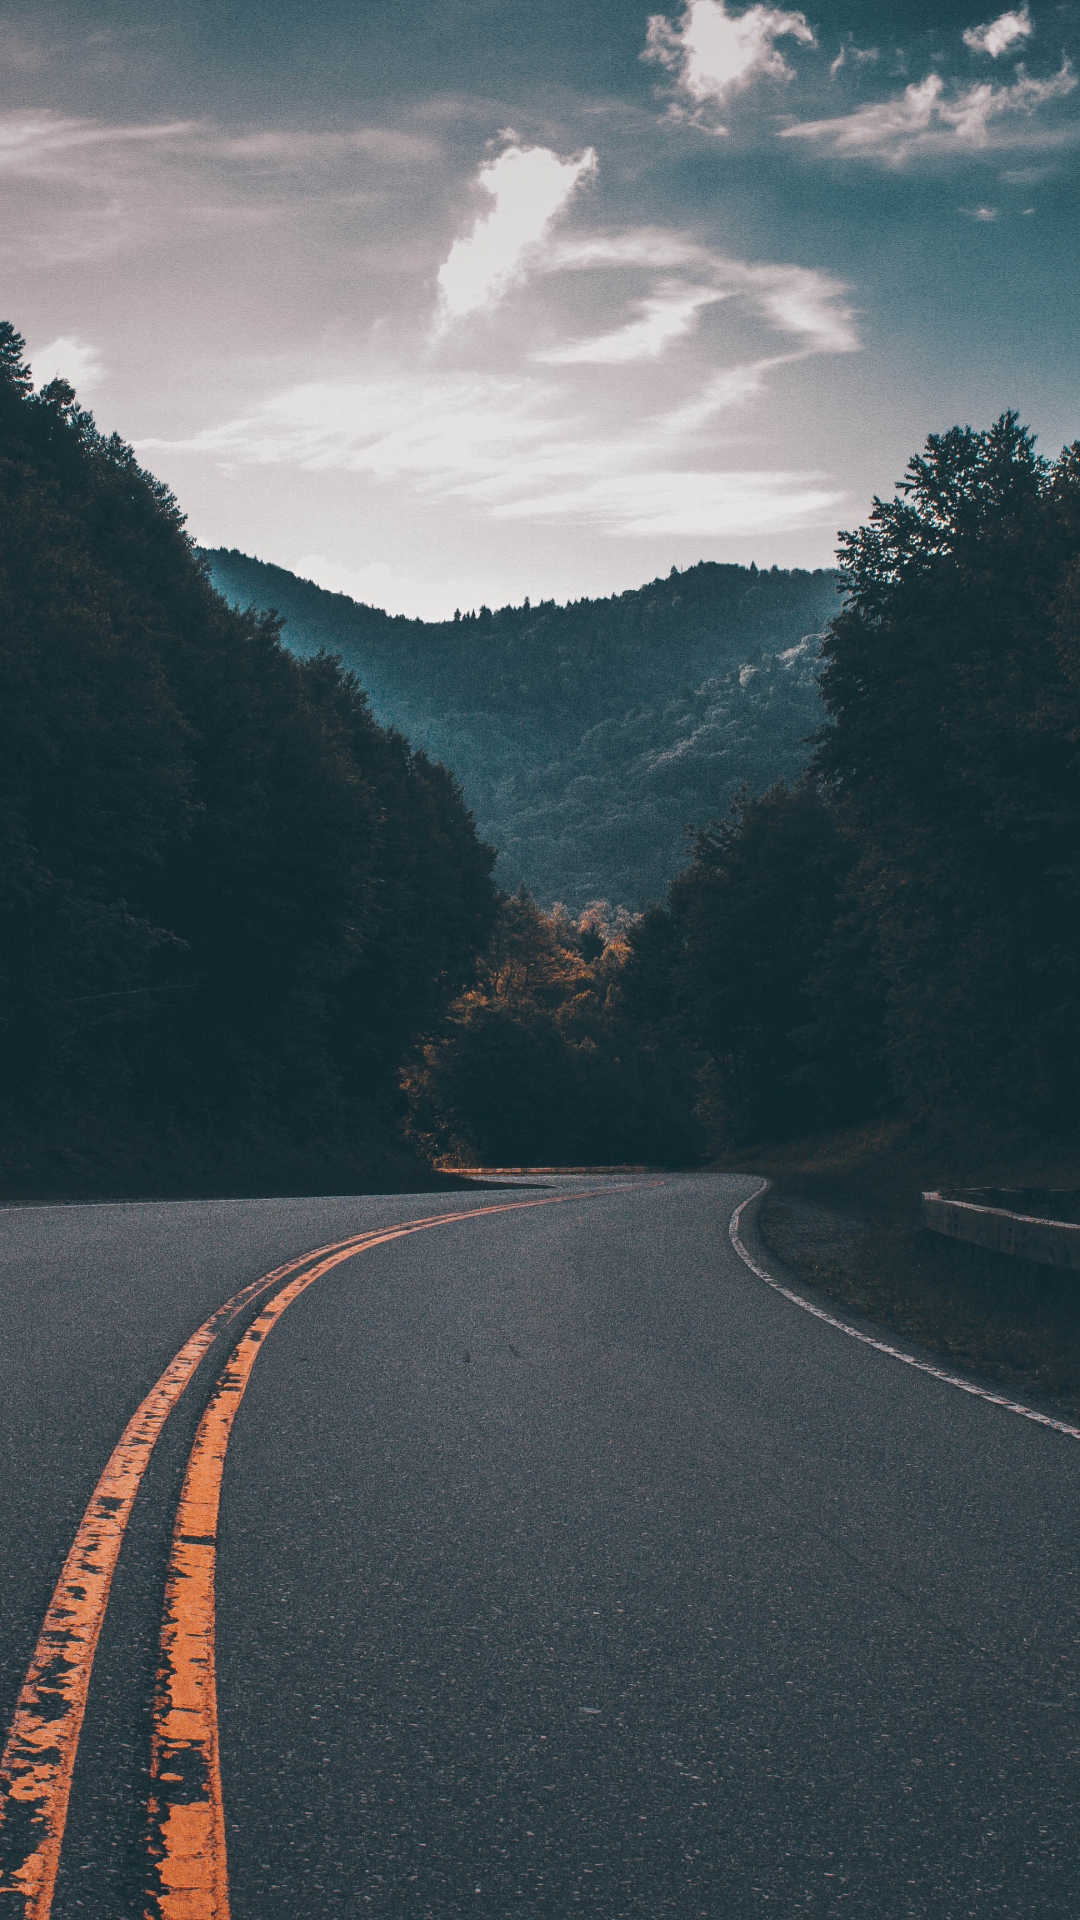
{"points": [[538, 1064], [226, 894], [951, 680], [747, 921]]}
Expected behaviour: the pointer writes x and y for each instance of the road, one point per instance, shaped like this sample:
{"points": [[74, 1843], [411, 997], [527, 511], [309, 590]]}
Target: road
{"points": [[562, 1567]]}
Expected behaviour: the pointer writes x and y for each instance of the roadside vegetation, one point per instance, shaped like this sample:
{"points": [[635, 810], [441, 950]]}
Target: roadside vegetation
{"points": [[843, 1214], [899, 934], [544, 1059]]}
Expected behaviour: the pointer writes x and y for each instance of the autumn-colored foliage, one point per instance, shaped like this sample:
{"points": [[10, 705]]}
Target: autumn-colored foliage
{"points": [[538, 1063]]}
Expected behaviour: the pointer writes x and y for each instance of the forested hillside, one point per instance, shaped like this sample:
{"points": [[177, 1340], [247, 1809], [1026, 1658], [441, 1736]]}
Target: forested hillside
{"points": [[230, 902], [894, 936], [901, 932], [587, 738]]}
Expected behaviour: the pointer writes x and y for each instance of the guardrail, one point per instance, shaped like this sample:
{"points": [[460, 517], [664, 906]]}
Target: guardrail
{"points": [[1030, 1236]]}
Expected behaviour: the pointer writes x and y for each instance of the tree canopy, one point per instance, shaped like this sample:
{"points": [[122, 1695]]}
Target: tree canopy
{"points": [[225, 891], [903, 928]]}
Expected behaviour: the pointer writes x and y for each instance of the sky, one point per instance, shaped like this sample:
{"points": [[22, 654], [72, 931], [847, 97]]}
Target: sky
{"points": [[456, 302]]}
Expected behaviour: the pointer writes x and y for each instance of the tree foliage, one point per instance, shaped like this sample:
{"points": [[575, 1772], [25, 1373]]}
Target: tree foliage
{"points": [[951, 679], [224, 889], [904, 928], [541, 1064]]}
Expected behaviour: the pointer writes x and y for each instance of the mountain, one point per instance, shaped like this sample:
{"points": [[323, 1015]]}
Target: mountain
{"points": [[587, 738]]}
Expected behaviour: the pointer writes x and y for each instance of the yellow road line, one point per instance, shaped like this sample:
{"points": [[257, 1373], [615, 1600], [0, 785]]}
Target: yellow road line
{"points": [[187, 1813], [39, 1757]]}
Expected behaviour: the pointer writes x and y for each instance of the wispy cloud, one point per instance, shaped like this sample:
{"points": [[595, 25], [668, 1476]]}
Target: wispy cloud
{"points": [[688, 502], [593, 396], [999, 35], [713, 54], [34, 144], [47, 143], [112, 185], [930, 117], [851, 55], [528, 188], [797, 300], [731, 388], [561, 448], [506, 446], [444, 430], [660, 318]]}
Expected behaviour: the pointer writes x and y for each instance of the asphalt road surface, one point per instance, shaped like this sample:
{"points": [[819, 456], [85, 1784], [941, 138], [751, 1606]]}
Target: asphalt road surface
{"points": [[563, 1568]]}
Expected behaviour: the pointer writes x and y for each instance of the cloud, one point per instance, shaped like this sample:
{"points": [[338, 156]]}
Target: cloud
{"points": [[443, 429], [111, 186], [858, 56], [44, 143], [291, 146], [515, 448], [688, 502], [999, 35], [48, 143], [663, 317], [529, 186], [731, 388], [713, 53], [74, 360], [798, 300], [378, 584], [517, 425], [503, 442], [930, 118]]}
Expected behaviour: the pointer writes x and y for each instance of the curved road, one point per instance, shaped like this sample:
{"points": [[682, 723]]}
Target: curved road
{"points": [[563, 1567]]}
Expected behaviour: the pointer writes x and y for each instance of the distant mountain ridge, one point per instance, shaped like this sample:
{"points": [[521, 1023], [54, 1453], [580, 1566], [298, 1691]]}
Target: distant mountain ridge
{"points": [[587, 738]]}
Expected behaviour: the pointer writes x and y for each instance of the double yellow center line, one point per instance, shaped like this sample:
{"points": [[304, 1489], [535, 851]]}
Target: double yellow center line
{"points": [[188, 1864]]}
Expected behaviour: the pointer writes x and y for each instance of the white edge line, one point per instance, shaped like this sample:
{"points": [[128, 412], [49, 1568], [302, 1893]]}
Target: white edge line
{"points": [[881, 1346]]}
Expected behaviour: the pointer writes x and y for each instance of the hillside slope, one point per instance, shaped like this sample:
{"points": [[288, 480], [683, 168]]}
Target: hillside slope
{"points": [[587, 738], [231, 904]]}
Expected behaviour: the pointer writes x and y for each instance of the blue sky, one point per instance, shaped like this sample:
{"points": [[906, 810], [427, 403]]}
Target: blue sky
{"points": [[469, 300]]}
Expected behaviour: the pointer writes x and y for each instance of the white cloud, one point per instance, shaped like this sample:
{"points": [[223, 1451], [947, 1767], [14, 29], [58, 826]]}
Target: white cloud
{"points": [[529, 187], [47, 143], [797, 300], [42, 143], [380, 585], [688, 502], [118, 186], [713, 53], [930, 118], [442, 429], [512, 448], [663, 317], [858, 56], [556, 435], [74, 360], [999, 35], [731, 388]]}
